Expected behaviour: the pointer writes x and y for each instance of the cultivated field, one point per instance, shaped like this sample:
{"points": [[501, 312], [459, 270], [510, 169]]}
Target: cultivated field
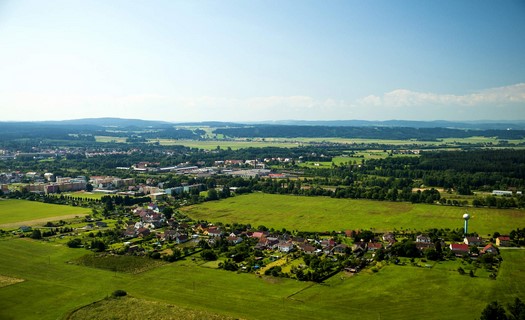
{"points": [[224, 144], [14, 213], [54, 288], [327, 214]]}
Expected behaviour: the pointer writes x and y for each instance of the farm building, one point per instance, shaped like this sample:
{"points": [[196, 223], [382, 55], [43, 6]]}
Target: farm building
{"points": [[503, 241]]}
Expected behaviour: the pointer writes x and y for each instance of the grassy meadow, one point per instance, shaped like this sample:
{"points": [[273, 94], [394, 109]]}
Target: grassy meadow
{"points": [[14, 213], [131, 308], [110, 139], [224, 144], [54, 287], [327, 214], [83, 195]]}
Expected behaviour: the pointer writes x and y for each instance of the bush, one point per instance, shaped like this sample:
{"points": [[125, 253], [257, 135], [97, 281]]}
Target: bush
{"points": [[36, 234], [75, 243], [119, 293], [209, 255], [155, 255]]}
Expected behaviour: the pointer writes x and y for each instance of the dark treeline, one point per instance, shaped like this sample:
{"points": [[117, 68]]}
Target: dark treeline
{"points": [[426, 134], [20, 131], [459, 170], [10, 131]]}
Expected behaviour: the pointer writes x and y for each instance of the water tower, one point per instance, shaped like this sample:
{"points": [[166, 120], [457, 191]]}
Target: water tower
{"points": [[466, 217]]}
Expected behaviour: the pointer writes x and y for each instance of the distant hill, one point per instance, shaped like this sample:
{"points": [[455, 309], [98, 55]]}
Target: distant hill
{"points": [[364, 132], [139, 124], [476, 125], [112, 122]]}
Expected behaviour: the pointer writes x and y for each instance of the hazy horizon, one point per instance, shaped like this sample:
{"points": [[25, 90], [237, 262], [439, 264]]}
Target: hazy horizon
{"points": [[235, 61]]}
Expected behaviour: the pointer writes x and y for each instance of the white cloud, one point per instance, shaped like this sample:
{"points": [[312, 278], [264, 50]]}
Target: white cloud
{"points": [[407, 98], [501, 103], [35, 107], [495, 103]]}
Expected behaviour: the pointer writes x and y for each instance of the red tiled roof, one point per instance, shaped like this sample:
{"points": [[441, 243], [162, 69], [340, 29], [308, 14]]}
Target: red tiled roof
{"points": [[258, 234], [459, 247], [375, 245], [488, 247]]}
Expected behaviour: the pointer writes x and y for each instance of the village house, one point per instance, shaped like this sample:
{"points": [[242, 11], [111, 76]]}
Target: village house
{"points": [[101, 224], [373, 246], [359, 246], [473, 241], [327, 245], [154, 207], [213, 232], [169, 235], [503, 241], [306, 248], [181, 238], [262, 243], [260, 234], [424, 245], [423, 239], [298, 240], [349, 233], [389, 237], [340, 249], [143, 232], [233, 239], [272, 242], [285, 246], [489, 248], [25, 228], [130, 232], [459, 248]]}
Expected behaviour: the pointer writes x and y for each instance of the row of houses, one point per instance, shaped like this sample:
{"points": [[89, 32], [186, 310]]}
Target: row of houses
{"points": [[71, 184], [461, 249]]}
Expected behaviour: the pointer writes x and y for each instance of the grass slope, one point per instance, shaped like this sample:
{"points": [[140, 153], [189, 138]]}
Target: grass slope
{"points": [[130, 308], [14, 213], [327, 214], [128, 264], [54, 288]]}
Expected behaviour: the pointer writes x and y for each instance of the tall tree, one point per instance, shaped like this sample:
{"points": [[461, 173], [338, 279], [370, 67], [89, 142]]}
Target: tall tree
{"points": [[493, 311]]}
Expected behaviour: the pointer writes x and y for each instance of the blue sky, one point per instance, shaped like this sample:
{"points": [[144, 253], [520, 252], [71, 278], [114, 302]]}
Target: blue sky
{"points": [[262, 60]]}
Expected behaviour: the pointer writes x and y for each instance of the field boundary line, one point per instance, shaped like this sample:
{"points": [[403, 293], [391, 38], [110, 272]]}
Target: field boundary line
{"points": [[297, 292]]}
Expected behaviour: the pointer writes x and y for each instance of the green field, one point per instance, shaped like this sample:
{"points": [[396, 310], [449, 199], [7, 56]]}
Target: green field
{"points": [[110, 139], [84, 195], [327, 214], [239, 143], [224, 144], [14, 213], [127, 264], [130, 308], [53, 288]]}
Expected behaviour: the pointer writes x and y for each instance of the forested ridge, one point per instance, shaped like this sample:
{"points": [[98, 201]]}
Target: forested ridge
{"points": [[282, 131], [476, 169]]}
